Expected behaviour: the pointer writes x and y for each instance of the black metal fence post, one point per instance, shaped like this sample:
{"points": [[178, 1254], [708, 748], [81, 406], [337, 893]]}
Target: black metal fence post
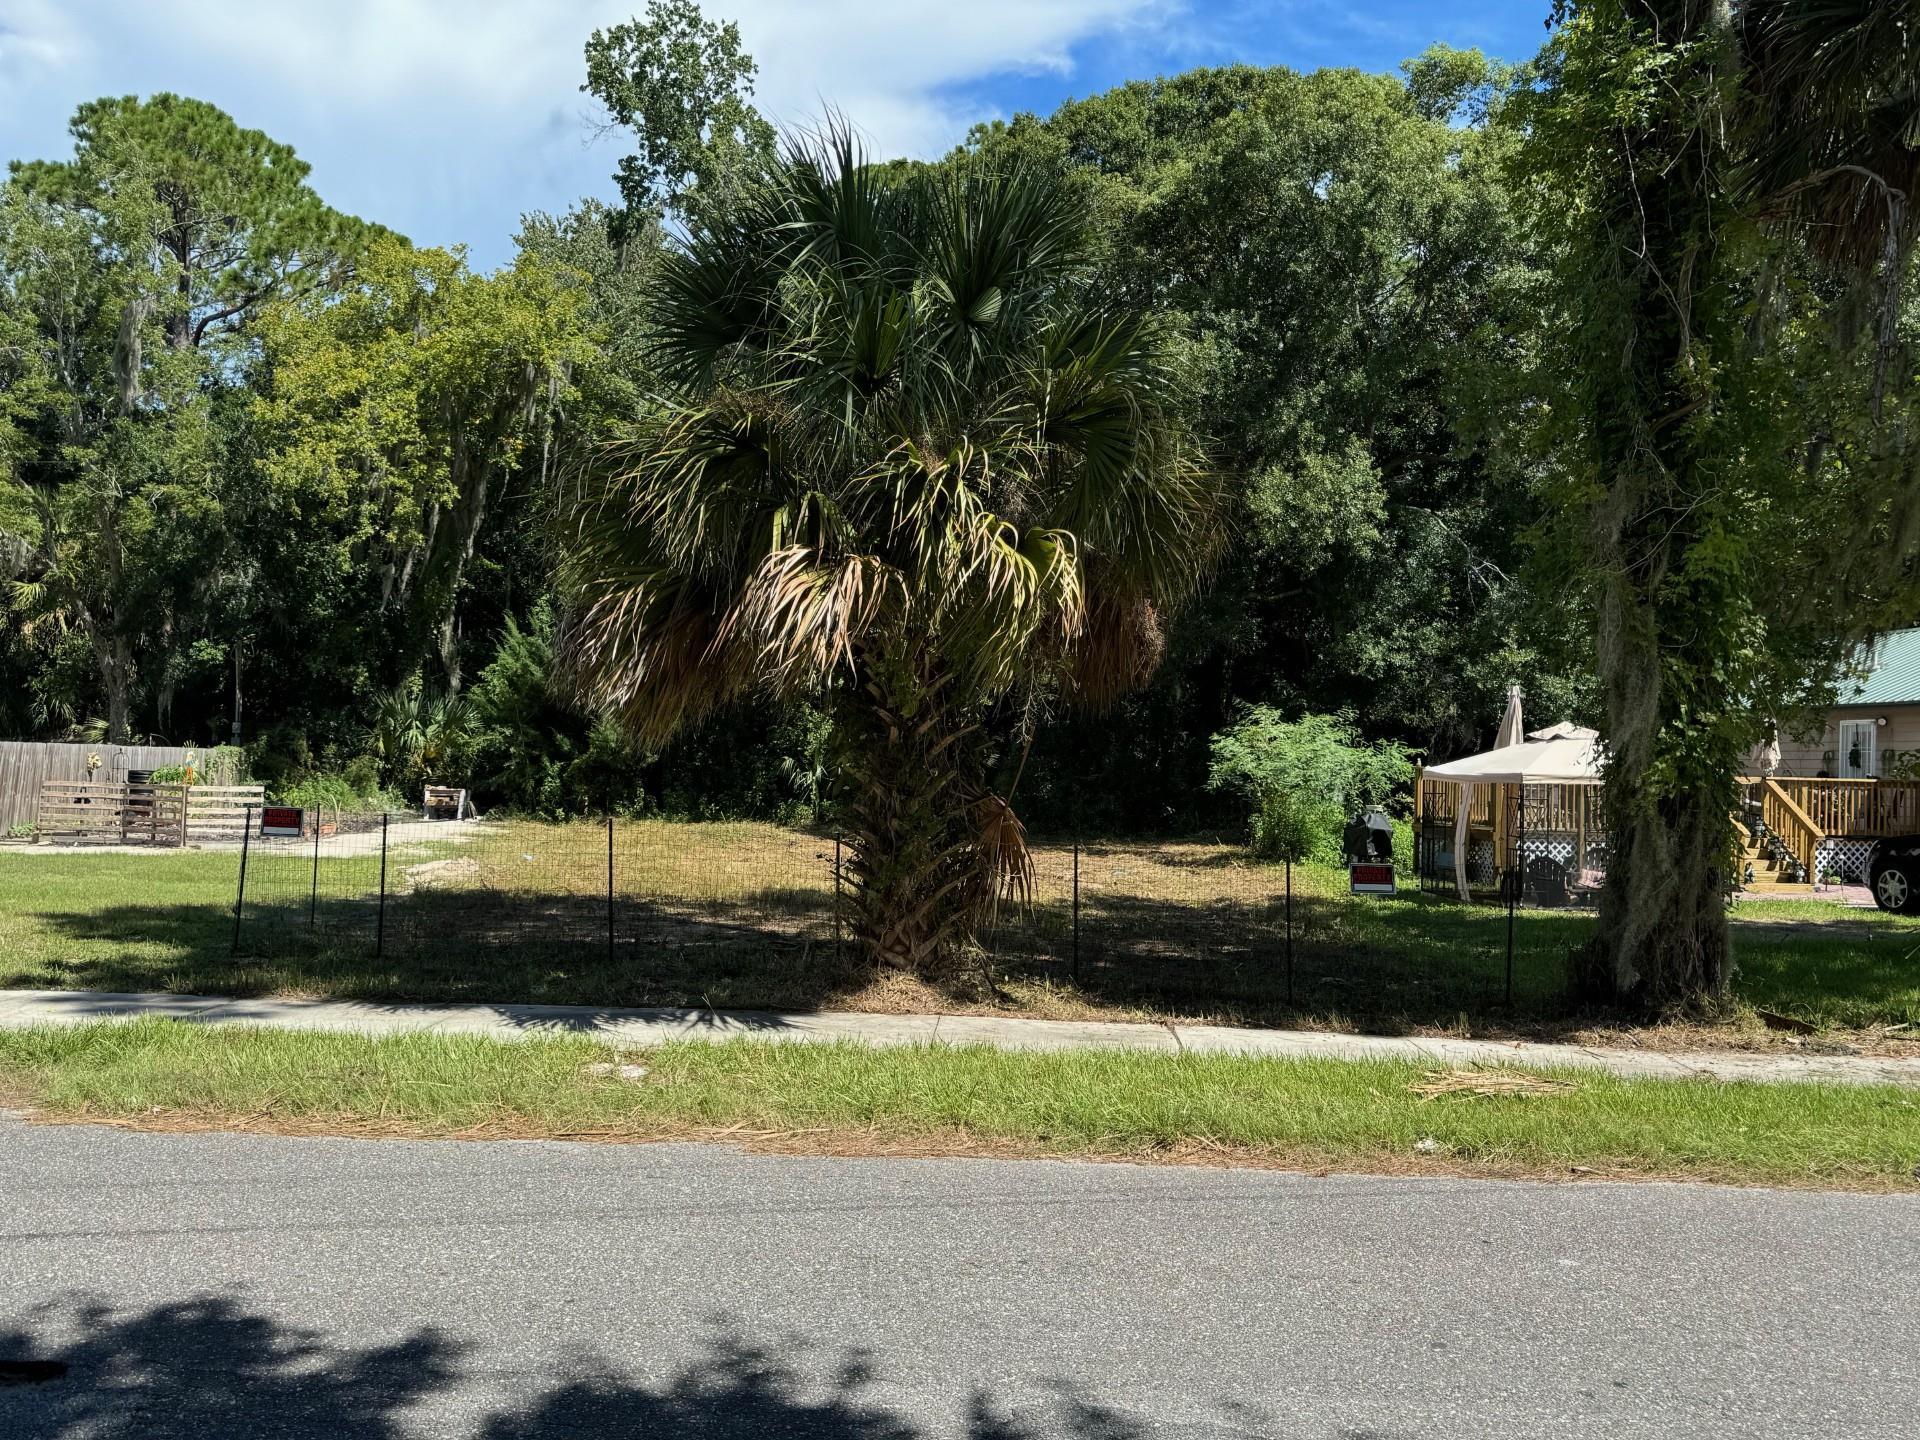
{"points": [[1076, 909], [380, 922], [609, 887], [240, 899], [839, 954], [1289, 930], [1513, 891], [313, 896]]}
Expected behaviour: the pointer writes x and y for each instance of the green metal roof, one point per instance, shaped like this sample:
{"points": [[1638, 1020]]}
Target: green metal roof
{"points": [[1894, 677]]}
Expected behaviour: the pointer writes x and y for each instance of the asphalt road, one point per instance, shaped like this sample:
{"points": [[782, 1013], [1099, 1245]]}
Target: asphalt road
{"points": [[215, 1286]]}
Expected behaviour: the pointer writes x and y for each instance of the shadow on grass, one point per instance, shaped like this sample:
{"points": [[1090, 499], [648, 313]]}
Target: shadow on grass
{"points": [[771, 949], [209, 1366], [1387, 965]]}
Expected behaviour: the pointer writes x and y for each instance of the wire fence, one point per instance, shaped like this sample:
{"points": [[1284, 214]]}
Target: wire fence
{"points": [[656, 912], [401, 886]]}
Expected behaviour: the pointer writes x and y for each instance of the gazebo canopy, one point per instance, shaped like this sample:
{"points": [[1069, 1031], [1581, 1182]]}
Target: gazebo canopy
{"points": [[1563, 754]]}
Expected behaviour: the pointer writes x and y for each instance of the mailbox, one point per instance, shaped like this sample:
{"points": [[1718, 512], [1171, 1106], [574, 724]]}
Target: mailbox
{"points": [[1369, 847], [1369, 836]]}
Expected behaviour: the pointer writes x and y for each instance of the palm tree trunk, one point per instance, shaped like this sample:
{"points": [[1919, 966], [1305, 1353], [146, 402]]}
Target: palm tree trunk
{"points": [[916, 878]]}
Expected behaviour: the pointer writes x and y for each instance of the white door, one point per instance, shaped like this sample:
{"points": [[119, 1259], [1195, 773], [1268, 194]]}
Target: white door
{"points": [[1857, 760]]}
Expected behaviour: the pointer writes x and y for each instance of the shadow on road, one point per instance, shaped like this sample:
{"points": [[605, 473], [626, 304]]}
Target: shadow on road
{"points": [[209, 1366]]}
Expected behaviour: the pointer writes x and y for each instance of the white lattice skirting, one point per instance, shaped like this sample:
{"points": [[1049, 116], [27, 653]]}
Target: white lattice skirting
{"points": [[1843, 856], [1480, 867]]}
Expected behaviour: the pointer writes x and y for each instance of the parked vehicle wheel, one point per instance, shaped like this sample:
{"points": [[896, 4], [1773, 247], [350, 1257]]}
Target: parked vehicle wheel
{"points": [[1894, 889]]}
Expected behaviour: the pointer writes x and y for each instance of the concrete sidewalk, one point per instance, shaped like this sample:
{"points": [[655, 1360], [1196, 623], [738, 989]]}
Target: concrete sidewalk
{"points": [[642, 1027]]}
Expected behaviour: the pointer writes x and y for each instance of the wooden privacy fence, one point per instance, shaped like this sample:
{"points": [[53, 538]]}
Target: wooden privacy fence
{"points": [[26, 765], [98, 813]]}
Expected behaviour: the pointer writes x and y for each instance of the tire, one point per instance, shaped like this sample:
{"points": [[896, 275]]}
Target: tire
{"points": [[1894, 889]]}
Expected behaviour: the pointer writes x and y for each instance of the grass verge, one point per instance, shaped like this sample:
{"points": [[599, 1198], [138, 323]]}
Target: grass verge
{"points": [[846, 1099]]}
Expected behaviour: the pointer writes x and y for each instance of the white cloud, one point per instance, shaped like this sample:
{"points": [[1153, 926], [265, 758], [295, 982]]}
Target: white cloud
{"points": [[447, 118]]}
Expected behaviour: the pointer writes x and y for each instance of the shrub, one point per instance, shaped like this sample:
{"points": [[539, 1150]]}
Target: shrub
{"points": [[422, 734], [1301, 778], [356, 789], [221, 765], [1288, 827], [362, 775], [280, 757]]}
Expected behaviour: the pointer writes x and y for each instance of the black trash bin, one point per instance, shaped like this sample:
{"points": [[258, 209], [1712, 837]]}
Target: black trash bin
{"points": [[141, 801]]}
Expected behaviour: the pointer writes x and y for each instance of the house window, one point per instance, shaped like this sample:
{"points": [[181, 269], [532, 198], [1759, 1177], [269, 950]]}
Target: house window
{"points": [[1857, 760]]}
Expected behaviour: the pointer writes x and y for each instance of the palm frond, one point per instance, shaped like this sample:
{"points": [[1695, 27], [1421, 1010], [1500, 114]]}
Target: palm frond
{"points": [[898, 431], [798, 620], [1835, 89]]}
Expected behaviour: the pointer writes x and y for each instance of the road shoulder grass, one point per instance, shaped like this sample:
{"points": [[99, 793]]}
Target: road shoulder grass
{"points": [[850, 1099]]}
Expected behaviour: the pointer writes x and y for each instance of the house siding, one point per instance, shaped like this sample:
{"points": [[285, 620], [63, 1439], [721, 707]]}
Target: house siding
{"points": [[1811, 756]]}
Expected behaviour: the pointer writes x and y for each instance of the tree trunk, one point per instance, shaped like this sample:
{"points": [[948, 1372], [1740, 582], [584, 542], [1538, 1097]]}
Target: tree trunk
{"points": [[919, 887], [1662, 944], [1670, 609], [238, 728], [110, 647], [114, 660]]}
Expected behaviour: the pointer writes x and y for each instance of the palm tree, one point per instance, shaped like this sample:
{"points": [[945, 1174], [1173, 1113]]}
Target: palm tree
{"points": [[421, 734], [912, 458]]}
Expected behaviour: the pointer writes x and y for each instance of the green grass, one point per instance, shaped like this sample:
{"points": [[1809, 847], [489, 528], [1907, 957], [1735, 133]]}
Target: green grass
{"points": [[1356, 1115], [736, 916]]}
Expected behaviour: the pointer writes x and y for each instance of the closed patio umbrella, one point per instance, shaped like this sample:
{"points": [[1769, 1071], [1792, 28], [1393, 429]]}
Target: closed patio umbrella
{"points": [[1512, 730]]}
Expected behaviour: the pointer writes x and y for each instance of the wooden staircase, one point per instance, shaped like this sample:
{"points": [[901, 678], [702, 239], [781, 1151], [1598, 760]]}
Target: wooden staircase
{"points": [[1770, 876], [1784, 864]]}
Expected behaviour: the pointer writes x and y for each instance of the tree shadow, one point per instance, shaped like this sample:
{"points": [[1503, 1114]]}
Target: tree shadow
{"points": [[774, 949], [208, 1366], [80, 1369], [1386, 966]]}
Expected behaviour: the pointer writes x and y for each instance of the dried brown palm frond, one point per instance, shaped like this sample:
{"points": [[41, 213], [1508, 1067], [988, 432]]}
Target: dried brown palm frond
{"points": [[1006, 862], [1120, 645], [798, 620]]}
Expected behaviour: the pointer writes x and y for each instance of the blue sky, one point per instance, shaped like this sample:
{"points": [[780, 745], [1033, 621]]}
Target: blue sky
{"points": [[446, 119]]}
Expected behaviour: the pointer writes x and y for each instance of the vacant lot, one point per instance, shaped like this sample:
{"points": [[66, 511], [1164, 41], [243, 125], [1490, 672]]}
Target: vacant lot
{"points": [[744, 916]]}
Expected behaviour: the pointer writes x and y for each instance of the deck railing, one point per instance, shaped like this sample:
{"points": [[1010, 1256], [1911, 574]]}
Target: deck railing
{"points": [[1856, 807], [1786, 819]]}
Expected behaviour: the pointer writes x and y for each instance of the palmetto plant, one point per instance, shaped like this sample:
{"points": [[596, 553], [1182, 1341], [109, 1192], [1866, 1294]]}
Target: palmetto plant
{"points": [[911, 458], [421, 734]]}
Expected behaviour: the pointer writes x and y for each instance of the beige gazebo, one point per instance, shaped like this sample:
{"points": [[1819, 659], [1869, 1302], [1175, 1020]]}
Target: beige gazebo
{"points": [[1532, 799]]}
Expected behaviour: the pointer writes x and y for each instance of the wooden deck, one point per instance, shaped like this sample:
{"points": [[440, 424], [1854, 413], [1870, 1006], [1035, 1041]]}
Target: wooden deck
{"points": [[1805, 814]]}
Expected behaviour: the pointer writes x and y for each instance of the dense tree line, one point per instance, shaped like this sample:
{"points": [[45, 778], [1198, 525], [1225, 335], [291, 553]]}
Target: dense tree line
{"points": [[1594, 374], [270, 467]]}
